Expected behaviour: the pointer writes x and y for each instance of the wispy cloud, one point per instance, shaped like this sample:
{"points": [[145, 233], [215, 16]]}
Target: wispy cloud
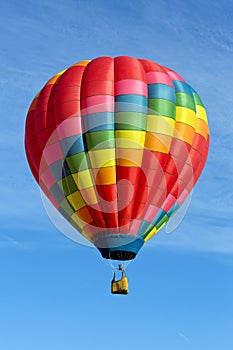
{"points": [[188, 341], [193, 238], [6, 241], [184, 337]]}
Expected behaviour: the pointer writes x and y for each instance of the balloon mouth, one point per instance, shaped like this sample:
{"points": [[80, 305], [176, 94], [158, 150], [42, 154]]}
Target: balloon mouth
{"points": [[121, 255], [119, 246]]}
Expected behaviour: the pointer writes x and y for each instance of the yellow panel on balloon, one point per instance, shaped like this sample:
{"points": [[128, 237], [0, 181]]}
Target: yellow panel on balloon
{"points": [[129, 157], [151, 234], [89, 195], [202, 128], [201, 113], [160, 124], [76, 200], [186, 116], [83, 179], [102, 158], [130, 139]]}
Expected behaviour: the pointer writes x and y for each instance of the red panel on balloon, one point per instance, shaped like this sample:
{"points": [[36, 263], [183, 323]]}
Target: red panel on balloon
{"points": [[150, 66], [180, 149], [71, 77], [126, 67], [107, 192]]}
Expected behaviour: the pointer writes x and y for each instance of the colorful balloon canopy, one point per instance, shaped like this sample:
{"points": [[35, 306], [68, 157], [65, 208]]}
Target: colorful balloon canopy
{"points": [[117, 144]]}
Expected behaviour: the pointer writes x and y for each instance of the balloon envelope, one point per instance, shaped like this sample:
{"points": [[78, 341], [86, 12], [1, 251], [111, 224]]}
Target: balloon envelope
{"points": [[117, 144]]}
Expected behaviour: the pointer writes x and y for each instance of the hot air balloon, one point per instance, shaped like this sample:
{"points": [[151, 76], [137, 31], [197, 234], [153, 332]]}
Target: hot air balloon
{"points": [[117, 144]]}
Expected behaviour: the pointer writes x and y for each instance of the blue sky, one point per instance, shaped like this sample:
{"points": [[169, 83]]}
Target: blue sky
{"points": [[54, 293]]}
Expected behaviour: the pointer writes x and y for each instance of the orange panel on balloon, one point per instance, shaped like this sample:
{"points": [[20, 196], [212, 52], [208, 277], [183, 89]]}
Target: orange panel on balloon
{"points": [[157, 142]]}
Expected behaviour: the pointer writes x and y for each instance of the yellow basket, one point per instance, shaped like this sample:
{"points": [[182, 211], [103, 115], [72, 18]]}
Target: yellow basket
{"points": [[121, 286]]}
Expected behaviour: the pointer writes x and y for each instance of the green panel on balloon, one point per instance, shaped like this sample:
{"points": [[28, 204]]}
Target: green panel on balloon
{"points": [[148, 230], [77, 162], [68, 185], [162, 107], [100, 139], [161, 222], [185, 100], [197, 99], [130, 121], [67, 207]]}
